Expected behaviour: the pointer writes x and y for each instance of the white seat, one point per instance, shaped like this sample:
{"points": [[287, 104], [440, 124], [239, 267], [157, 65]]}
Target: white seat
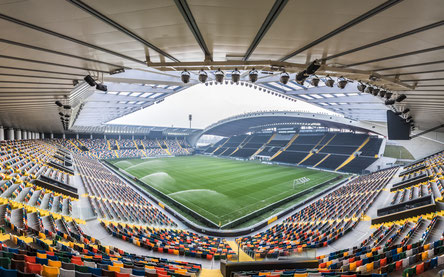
{"points": [[89, 264], [67, 273], [126, 270]]}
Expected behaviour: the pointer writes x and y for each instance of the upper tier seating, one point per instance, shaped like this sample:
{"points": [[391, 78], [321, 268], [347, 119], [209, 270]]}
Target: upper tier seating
{"points": [[125, 148], [334, 151]]}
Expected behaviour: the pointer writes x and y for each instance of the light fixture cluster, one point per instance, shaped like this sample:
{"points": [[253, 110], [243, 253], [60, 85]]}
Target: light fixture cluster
{"points": [[64, 113], [219, 76], [390, 97], [308, 75], [405, 114], [90, 80]]}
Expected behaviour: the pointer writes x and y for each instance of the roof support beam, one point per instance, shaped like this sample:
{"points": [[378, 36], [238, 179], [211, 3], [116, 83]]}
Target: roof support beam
{"points": [[422, 51], [411, 73], [34, 88], [423, 80], [184, 9], [409, 65], [62, 36], [278, 6], [35, 83], [35, 76], [41, 71], [382, 41], [49, 63], [119, 27], [16, 43], [346, 26]]}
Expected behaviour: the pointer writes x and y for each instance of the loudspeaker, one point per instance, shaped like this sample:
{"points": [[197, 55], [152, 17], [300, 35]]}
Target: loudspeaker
{"points": [[397, 127]]}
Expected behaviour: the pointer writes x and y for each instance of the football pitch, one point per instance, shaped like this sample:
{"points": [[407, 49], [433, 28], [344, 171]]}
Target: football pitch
{"points": [[221, 190]]}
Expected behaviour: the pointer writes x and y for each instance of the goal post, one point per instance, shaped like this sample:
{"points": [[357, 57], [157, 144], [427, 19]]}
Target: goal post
{"points": [[300, 181]]}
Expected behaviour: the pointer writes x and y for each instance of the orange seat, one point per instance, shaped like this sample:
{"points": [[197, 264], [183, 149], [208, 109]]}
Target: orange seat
{"points": [[49, 271], [113, 268], [41, 256], [118, 274], [57, 264], [30, 259], [33, 268]]}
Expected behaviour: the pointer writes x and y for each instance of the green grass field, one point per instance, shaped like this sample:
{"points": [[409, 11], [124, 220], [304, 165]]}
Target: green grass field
{"points": [[221, 190]]}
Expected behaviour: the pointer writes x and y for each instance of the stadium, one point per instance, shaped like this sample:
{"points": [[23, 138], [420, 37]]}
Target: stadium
{"points": [[186, 138]]}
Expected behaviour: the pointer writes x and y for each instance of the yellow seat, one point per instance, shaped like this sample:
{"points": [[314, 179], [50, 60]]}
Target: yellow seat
{"points": [[352, 266], [119, 264], [369, 267], [41, 256], [113, 268], [57, 264], [49, 271]]}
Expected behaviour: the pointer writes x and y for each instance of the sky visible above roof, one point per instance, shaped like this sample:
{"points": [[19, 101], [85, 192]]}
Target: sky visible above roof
{"points": [[209, 104]]}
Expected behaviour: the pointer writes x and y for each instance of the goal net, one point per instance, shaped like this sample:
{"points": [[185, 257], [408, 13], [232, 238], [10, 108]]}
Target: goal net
{"points": [[300, 181]]}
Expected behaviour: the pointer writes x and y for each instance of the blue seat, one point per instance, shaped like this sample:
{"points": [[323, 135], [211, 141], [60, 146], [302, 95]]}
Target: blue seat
{"points": [[41, 261], [95, 271], [13, 250], [138, 272], [8, 272], [54, 258]]}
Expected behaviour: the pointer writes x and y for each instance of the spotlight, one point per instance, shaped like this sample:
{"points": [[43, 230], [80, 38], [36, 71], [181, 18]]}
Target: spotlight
{"points": [[375, 91], [67, 115], [401, 97], [409, 118], [314, 81], [329, 82], [342, 82], [388, 95], [185, 76], [284, 77], [382, 93], [90, 80], [301, 76], [406, 111], [389, 102], [58, 103], [116, 71], [219, 76], [67, 107], [235, 75], [203, 76], [101, 87], [369, 89], [361, 87], [75, 82], [61, 114], [253, 75], [312, 67]]}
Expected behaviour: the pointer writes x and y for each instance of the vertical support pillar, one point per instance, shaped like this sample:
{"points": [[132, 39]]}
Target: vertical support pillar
{"points": [[18, 134], [10, 134]]}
